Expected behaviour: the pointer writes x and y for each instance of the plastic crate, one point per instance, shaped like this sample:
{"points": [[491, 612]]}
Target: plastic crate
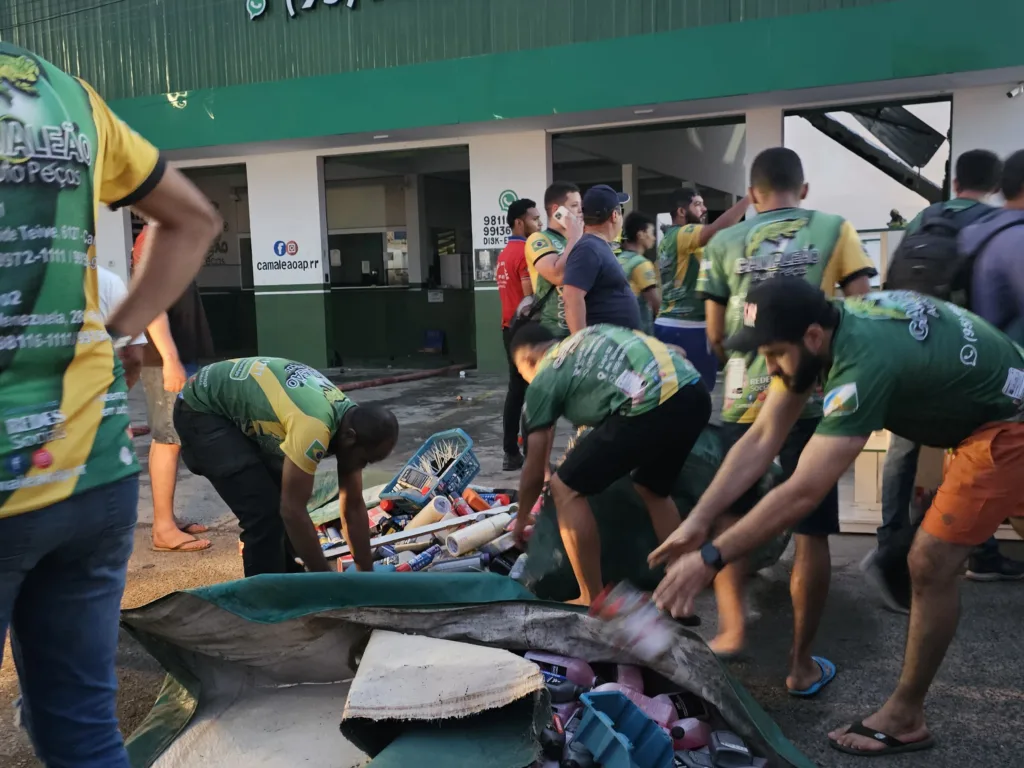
{"points": [[620, 735], [454, 480]]}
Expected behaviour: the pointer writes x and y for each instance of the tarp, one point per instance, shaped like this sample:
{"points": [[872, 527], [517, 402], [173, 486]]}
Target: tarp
{"points": [[627, 536], [259, 669]]}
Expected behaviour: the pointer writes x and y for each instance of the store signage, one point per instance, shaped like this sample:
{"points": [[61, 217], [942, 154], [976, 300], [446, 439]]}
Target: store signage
{"points": [[495, 225], [257, 8]]}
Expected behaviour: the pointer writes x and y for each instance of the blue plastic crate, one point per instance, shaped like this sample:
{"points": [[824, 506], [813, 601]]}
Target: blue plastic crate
{"points": [[620, 735], [455, 478]]}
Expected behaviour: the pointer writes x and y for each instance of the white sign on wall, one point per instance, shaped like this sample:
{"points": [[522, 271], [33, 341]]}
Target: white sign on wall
{"points": [[287, 220], [502, 169]]}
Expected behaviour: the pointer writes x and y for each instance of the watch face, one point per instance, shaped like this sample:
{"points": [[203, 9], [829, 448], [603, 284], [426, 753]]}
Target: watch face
{"points": [[711, 556]]}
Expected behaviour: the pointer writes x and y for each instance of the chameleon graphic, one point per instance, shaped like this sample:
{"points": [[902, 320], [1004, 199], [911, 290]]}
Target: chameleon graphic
{"points": [[18, 72], [774, 233]]}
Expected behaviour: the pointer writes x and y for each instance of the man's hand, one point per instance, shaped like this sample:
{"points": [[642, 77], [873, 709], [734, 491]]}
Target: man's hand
{"points": [[174, 375], [688, 537], [685, 579], [573, 228], [519, 531]]}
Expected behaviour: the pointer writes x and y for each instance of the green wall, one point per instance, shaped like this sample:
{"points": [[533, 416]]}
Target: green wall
{"points": [[292, 325], [389, 325], [231, 314], [145, 47], [490, 349], [225, 71]]}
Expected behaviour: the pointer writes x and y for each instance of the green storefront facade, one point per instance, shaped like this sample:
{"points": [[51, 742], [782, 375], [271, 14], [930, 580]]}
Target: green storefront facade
{"points": [[248, 85]]}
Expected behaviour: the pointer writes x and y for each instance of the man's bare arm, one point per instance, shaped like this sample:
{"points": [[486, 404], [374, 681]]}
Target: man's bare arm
{"points": [[296, 488], [575, 301], [355, 523], [714, 314], [531, 481], [822, 463], [653, 298], [182, 225], [732, 216]]}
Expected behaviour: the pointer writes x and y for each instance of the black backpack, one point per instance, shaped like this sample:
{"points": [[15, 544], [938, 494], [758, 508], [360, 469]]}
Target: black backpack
{"points": [[929, 261]]}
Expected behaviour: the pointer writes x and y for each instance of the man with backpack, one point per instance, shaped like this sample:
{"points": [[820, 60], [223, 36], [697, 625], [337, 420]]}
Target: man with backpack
{"points": [[929, 260]]}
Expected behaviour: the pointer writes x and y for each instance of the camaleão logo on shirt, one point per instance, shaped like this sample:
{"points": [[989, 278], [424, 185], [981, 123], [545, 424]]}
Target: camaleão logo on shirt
{"points": [[20, 73], [768, 252], [841, 401]]}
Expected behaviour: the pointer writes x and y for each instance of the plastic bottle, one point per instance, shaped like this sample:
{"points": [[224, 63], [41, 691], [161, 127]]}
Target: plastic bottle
{"points": [[552, 739], [321, 535], [630, 676], [562, 691], [576, 671], [475, 502], [634, 621], [519, 569], [387, 505], [661, 712], [334, 536], [421, 560], [462, 564], [392, 560], [690, 733]]}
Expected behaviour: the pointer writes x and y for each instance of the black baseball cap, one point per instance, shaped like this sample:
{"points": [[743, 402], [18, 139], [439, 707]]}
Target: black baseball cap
{"points": [[779, 309], [601, 201]]}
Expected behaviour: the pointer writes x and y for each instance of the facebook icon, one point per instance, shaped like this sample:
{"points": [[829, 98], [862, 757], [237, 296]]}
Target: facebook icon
{"points": [[279, 248]]}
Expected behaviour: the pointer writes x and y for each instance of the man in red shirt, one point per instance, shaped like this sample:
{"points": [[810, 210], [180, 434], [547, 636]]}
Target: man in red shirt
{"points": [[513, 278]]}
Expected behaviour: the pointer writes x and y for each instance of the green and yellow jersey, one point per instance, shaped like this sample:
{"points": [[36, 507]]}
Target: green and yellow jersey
{"points": [[679, 258], [641, 276], [288, 408], [63, 399], [540, 245], [604, 370], [822, 248]]}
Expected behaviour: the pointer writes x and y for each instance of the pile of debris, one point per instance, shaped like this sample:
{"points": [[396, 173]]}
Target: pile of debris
{"points": [[430, 517]]}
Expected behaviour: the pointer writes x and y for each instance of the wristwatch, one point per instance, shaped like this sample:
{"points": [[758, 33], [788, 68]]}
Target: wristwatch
{"points": [[711, 556], [118, 339]]}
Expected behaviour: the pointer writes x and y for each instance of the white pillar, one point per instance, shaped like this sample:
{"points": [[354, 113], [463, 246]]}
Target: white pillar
{"points": [[984, 118], [502, 168], [631, 186], [288, 220], [114, 240], [417, 232], [764, 131]]}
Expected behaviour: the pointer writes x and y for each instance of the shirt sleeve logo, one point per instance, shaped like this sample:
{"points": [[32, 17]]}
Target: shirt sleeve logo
{"points": [[316, 451], [842, 400], [540, 243]]}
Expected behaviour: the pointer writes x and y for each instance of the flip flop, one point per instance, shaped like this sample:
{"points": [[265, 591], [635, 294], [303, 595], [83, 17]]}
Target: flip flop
{"points": [[893, 746], [828, 674], [193, 528], [185, 546]]}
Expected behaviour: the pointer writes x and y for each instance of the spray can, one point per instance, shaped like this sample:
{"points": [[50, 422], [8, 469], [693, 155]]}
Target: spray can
{"points": [[334, 536], [460, 506], [462, 564], [384, 551], [562, 668], [392, 560], [634, 621], [516, 574], [421, 560], [321, 535]]}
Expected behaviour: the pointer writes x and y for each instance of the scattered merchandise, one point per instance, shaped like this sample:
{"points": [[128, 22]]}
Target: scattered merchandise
{"points": [[634, 621]]}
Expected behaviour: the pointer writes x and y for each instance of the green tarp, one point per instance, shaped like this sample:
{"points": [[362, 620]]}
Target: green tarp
{"points": [[258, 669]]}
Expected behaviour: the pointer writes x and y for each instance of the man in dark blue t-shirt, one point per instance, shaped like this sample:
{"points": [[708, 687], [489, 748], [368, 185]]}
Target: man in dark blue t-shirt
{"points": [[595, 289]]}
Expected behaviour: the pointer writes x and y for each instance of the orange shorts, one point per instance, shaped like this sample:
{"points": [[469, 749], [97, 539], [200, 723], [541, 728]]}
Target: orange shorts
{"points": [[983, 485]]}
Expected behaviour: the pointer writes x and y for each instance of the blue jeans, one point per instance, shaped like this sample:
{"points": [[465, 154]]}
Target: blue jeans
{"points": [[62, 575], [898, 474]]}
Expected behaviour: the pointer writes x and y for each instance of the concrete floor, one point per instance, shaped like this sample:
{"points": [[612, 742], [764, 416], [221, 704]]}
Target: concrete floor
{"points": [[973, 708]]}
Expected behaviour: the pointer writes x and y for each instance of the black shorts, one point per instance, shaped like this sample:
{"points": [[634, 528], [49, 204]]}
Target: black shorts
{"points": [[824, 520], [653, 446]]}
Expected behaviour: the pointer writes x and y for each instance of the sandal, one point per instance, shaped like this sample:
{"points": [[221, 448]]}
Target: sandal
{"points": [[893, 746]]}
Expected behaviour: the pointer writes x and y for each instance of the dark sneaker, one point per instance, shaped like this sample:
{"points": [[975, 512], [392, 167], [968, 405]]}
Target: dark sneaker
{"points": [[997, 568], [893, 587], [512, 462]]}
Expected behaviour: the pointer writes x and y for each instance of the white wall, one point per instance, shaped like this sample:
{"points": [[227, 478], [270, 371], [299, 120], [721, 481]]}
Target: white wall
{"points": [[984, 118], [841, 182], [359, 205]]}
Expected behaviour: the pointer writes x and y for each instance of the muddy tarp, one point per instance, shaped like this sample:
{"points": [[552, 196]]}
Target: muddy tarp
{"points": [[258, 669], [627, 536]]}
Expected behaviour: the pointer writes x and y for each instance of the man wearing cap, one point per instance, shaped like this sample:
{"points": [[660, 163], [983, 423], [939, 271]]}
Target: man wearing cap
{"points": [[922, 368], [823, 249], [595, 289]]}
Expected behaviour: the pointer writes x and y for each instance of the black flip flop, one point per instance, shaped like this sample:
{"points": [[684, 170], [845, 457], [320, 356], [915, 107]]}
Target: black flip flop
{"points": [[893, 746]]}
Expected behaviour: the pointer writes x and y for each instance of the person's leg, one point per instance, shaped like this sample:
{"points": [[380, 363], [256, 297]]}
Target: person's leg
{"points": [[898, 474], [216, 449], [65, 630], [513, 409], [934, 568], [164, 451], [580, 537], [812, 567]]}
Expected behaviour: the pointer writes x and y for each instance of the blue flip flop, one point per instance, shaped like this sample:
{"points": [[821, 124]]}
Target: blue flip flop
{"points": [[828, 674]]}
